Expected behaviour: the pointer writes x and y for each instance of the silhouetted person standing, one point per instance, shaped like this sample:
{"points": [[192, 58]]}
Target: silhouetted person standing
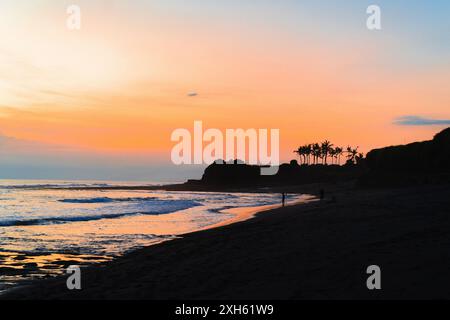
{"points": [[283, 198], [322, 194]]}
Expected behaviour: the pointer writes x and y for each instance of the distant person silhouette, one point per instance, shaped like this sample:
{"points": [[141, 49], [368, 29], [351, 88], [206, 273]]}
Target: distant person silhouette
{"points": [[283, 198], [322, 194]]}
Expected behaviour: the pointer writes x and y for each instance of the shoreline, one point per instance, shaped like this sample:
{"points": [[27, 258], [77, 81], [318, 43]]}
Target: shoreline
{"points": [[318, 250], [239, 214]]}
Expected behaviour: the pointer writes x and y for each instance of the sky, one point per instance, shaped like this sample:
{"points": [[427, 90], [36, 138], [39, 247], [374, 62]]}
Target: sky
{"points": [[102, 102]]}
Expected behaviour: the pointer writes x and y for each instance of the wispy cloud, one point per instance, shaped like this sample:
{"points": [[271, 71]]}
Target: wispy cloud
{"points": [[27, 159], [420, 121]]}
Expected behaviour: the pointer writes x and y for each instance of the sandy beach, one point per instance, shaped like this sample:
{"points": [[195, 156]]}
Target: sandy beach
{"points": [[318, 250]]}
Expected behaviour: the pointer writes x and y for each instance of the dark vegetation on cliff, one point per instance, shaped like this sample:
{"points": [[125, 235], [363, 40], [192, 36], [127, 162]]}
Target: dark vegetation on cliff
{"points": [[288, 174], [415, 163]]}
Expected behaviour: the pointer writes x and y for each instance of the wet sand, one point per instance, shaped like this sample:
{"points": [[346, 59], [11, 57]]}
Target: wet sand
{"points": [[242, 214], [319, 250], [23, 268]]}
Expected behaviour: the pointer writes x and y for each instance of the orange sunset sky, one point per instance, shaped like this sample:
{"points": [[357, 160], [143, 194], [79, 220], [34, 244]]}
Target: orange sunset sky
{"points": [[111, 93]]}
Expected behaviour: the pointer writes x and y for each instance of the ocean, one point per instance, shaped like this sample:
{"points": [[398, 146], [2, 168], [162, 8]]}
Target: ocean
{"points": [[46, 226]]}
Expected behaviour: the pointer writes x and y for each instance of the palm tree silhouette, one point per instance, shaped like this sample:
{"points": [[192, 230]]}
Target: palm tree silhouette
{"points": [[308, 152], [351, 154], [317, 152], [299, 152], [359, 157], [332, 152], [338, 153], [326, 148], [314, 152]]}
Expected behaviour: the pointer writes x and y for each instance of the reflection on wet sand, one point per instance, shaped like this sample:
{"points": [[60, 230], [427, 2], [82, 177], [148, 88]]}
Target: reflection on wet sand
{"points": [[18, 267], [47, 247]]}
